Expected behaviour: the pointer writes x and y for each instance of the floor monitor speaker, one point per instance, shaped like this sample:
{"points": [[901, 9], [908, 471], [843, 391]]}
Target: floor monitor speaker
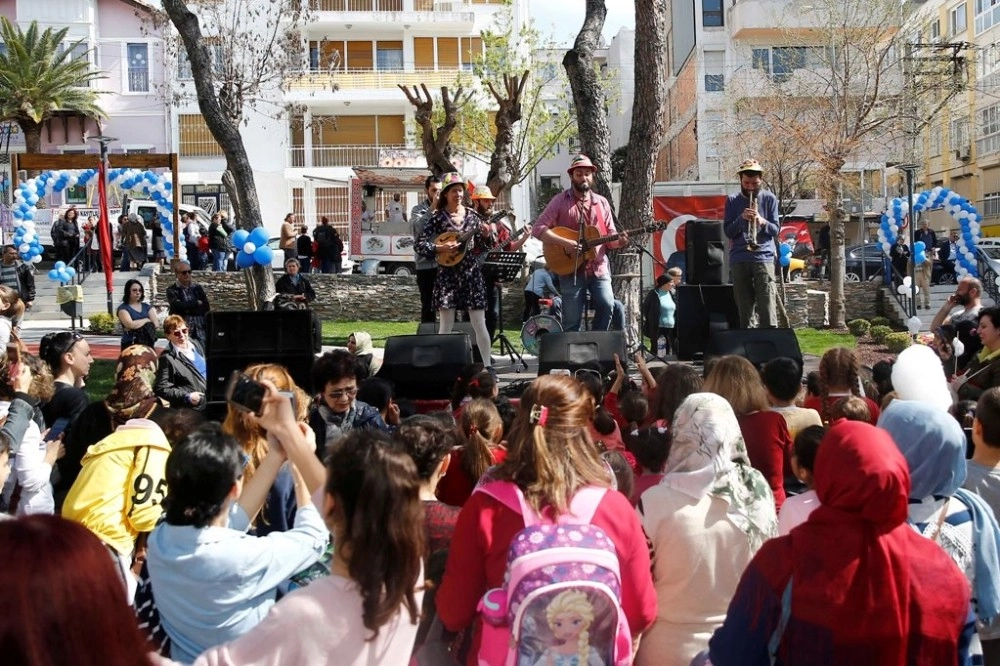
{"points": [[425, 366], [574, 350], [702, 311], [262, 331], [757, 345]]}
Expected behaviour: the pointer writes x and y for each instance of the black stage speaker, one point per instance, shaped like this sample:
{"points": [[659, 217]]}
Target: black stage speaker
{"points": [[706, 253], [425, 366], [463, 327], [578, 349], [757, 345], [262, 331], [702, 311], [221, 366]]}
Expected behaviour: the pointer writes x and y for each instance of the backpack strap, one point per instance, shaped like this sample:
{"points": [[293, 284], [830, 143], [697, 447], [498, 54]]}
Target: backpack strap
{"points": [[581, 509]]}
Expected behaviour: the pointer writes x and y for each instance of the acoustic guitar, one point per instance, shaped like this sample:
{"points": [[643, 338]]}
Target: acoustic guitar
{"points": [[500, 247], [454, 257], [563, 261]]}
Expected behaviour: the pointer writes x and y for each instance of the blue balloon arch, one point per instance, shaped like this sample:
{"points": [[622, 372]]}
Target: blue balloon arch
{"points": [[962, 211]]}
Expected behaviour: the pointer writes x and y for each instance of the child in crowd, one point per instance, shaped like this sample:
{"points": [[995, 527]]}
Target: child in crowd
{"points": [[507, 412], [483, 431], [797, 508], [474, 382], [673, 385], [964, 412], [838, 378], [851, 408], [812, 385], [983, 471], [378, 393], [623, 397], [783, 380], [651, 448], [622, 464], [604, 429]]}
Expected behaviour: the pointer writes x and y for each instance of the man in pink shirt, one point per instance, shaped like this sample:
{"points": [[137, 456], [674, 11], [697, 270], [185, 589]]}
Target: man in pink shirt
{"points": [[573, 208]]}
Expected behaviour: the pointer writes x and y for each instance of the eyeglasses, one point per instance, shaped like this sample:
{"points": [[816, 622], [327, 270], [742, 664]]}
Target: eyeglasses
{"points": [[180, 331], [585, 372], [340, 393], [184, 272]]}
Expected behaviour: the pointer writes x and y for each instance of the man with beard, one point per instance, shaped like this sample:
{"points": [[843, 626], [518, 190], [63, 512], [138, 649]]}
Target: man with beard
{"points": [[751, 223], [961, 311], [482, 203], [574, 209]]}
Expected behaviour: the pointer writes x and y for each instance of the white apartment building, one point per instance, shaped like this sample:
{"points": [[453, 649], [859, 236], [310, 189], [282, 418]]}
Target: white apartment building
{"points": [[353, 113]]}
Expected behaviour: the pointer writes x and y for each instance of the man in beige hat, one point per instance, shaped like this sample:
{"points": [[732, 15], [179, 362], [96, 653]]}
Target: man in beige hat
{"points": [[574, 209], [751, 224]]}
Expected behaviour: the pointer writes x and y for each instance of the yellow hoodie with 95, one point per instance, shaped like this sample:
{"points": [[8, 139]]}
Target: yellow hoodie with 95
{"points": [[122, 483]]}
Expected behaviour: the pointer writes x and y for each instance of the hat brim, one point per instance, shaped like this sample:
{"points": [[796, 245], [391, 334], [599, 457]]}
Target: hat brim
{"points": [[589, 167]]}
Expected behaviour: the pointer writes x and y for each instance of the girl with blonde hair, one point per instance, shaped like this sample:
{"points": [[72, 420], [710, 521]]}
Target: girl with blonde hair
{"points": [[550, 457], [765, 432], [278, 514], [569, 615], [482, 429]]}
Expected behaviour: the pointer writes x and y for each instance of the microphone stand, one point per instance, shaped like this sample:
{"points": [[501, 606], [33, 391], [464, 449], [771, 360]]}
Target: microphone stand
{"points": [[636, 244]]}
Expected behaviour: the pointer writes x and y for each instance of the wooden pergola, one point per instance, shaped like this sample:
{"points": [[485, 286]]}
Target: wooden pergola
{"points": [[44, 162]]}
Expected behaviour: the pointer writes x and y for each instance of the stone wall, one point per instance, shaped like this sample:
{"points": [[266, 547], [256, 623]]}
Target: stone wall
{"points": [[395, 298]]}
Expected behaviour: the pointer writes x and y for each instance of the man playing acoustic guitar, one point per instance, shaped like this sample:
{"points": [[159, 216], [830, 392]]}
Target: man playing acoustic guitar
{"points": [[572, 209]]}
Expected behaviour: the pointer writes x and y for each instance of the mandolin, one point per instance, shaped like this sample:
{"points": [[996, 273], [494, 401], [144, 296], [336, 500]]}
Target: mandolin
{"points": [[454, 257], [563, 261]]}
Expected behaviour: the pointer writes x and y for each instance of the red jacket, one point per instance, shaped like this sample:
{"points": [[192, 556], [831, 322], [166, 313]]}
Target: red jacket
{"points": [[478, 559], [769, 446]]}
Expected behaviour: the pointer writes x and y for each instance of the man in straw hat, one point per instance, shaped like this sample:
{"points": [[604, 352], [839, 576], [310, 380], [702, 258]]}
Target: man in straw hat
{"points": [[573, 208], [751, 223], [482, 204]]}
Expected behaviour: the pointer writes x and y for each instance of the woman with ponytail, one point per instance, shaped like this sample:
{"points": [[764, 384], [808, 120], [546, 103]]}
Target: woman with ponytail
{"points": [[550, 457], [212, 581], [483, 432], [365, 612]]}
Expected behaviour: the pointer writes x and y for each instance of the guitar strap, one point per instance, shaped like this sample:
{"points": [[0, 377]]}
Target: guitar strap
{"points": [[592, 215]]}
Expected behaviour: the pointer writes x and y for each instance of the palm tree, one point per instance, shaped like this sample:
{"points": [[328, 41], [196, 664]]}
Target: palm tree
{"points": [[39, 78]]}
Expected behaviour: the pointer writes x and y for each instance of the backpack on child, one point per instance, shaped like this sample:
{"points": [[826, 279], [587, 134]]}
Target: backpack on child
{"points": [[561, 598]]}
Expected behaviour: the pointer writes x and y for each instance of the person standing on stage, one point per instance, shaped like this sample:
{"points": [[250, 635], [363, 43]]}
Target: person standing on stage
{"points": [[482, 203], [573, 207], [751, 224], [426, 267], [458, 287]]}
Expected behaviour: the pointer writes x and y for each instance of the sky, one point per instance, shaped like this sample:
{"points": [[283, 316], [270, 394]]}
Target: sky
{"points": [[563, 18]]}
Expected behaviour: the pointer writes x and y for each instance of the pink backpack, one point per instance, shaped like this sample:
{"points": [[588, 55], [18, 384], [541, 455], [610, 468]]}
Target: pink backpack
{"points": [[560, 603]]}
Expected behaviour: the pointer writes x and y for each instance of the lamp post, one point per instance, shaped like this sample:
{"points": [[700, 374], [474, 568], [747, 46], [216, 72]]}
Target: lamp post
{"points": [[909, 170], [104, 218]]}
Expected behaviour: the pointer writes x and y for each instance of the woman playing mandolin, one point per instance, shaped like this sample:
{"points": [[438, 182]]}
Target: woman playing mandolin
{"points": [[459, 284]]}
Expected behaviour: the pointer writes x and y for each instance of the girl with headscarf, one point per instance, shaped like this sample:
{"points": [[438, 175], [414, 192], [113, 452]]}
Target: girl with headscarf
{"points": [[958, 520], [131, 397], [359, 343], [706, 518], [853, 584]]}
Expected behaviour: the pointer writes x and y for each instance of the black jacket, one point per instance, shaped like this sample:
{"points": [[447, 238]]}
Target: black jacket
{"points": [[197, 305], [26, 281], [177, 378], [284, 285]]}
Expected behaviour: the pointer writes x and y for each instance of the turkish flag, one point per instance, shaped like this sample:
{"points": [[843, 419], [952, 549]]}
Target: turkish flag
{"points": [[104, 226], [676, 212]]}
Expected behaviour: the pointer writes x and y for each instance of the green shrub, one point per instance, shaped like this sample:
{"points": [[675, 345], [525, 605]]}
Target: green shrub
{"points": [[878, 333], [102, 323], [879, 321], [897, 342], [858, 327]]}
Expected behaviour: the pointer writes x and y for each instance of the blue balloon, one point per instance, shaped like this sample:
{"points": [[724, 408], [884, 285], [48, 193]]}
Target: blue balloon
{"points": [[240, 237], [59, 265], [919, 246], [785, 260], [919, 257], [258, 236], [244, 260], [70, 271], [263, 255], [53, 274]]}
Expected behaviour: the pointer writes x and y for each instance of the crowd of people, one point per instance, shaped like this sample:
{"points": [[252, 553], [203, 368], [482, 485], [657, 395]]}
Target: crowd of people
{"points": [[724, 515]]}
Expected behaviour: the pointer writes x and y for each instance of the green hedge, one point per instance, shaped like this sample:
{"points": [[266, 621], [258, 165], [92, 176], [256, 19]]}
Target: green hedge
{"points": [[102, 323], [858, 327], [879, 333], [879, 321], [897, 342]]}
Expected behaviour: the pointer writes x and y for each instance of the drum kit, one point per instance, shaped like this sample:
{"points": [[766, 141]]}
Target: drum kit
{"points": [[539, 326]]}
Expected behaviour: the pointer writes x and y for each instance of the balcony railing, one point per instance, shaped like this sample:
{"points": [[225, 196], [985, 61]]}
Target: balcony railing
{"points": [[138, 80], [356, 155], [371, 79], [389, 5]]}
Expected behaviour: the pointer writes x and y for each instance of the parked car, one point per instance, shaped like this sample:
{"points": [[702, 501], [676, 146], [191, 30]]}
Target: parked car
{"points": [[871, 255], [278, 260]]}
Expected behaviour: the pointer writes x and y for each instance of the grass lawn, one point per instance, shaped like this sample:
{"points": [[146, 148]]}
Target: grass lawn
{"points": [[101, 379], [337, 332], [815, 341]]}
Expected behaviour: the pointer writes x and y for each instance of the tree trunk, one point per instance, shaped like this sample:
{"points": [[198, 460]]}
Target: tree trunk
{"points": [[259, 280], [636, 208], [224, 130], [588, 95], [830, 189], [32, 139], [504, 168]]}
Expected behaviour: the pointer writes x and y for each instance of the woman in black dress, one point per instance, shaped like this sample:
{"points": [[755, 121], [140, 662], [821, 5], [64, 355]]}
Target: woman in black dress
{"points": [[458, 287]]}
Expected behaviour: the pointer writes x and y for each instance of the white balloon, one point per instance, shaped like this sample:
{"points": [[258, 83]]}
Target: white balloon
{"points": [[903, 290], [918, 375], [36, 260], [249, 247], [913, 325], [28, 237], [886, 246], [907, 280]]}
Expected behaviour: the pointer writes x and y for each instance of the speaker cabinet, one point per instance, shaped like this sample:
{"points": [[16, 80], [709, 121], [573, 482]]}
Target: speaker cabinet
{"points": [[706, 253], [425, 366], [459, 328], [262, 331], [574, 350], [757, 345], [221, 366], [702, 311]]}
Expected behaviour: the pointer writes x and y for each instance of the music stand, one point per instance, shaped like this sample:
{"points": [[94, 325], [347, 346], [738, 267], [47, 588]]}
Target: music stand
{"points": [[504, 267]]}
